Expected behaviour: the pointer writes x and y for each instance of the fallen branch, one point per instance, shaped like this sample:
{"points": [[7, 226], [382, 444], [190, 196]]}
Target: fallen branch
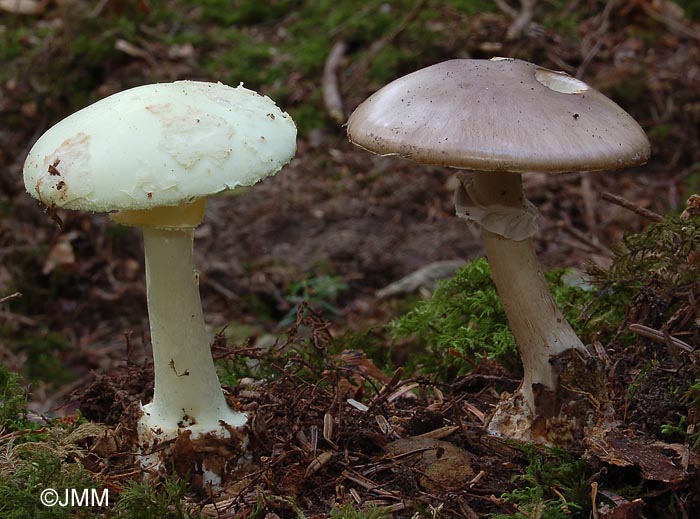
{"points": [[521, 19], [583, 238], [641, 211], [10, 297], [596, 37], [671, 15], [661, 337], [330, 85]]}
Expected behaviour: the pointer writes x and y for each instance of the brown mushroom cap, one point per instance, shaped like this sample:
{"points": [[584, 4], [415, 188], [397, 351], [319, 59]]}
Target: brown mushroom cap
{"points": [[498, 115]]}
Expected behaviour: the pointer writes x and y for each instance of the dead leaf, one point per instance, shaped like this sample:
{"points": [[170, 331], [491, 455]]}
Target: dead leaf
{"points": [[60, 254], [440, 464], [628, 510], [624, 449], [692, 208], [359, 362]]}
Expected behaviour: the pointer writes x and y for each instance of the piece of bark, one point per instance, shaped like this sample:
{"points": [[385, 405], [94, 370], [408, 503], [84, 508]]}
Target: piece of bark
{"points": [[624, 449], [426, 277], [330, 84]]}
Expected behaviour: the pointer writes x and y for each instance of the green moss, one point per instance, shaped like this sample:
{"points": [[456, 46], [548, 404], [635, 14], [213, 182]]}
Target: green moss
{"points": [[141, 501], [309, 116], [245, 12], [691, 184], [465, 317], [319, 293], [660, 132], [556, 15], [471, 7], [350, 512], [552, 487], [691, 399], [16, 40], [13, 401], [43, 356], [630, 90], [656, 257], [244, 59], [31, 469], [639, 379], [691, 8]]}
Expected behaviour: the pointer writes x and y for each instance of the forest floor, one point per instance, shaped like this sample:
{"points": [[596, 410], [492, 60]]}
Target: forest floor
{"points": [[290, 269]]}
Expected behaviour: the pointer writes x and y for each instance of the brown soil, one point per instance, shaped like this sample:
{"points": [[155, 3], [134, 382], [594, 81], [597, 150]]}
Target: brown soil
{"points": [[339, 210]]}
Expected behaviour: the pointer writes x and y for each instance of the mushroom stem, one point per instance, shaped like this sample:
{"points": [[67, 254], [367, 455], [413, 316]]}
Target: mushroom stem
{"points": [[187, 390], [540, 330]]}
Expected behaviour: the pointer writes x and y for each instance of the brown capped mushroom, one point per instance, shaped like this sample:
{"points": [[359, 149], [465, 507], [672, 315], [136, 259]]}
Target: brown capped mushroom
{"points": [[501, 118]]}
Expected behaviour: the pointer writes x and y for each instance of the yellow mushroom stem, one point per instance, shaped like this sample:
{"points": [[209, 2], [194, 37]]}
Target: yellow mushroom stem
{"points": [[185, 215]]}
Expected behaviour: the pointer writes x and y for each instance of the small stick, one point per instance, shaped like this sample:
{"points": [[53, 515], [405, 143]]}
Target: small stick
{"points": [[675, 26], [329, 84], [507, 9], [442, 432], [522, 20], [641, 211], [660, 337], [582, 237], [368, 484], [597, 37], [10, 297], [401, 391], [594, 496]]}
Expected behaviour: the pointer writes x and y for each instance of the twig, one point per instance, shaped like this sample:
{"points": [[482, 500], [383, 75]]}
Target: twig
{"points": [[522, 20], [575, 244], [401, 391], [503, 6], [641, 211], [329, 84], [594, 496], [681, 506], [585, 239], [368, 484], [474, 381], [10, 297], [672, 23], [480, 415], [18, 318], [438, 434], [661, 337], [596, 36]]}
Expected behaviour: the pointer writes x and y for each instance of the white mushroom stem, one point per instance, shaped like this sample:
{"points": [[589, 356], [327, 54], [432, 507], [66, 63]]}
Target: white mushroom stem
{"points": [[540, 330], [187, 391]]}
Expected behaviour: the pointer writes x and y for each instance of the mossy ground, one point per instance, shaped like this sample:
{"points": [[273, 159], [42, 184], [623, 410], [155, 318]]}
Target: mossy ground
{"points": [[338, 226], [552, 483]]}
